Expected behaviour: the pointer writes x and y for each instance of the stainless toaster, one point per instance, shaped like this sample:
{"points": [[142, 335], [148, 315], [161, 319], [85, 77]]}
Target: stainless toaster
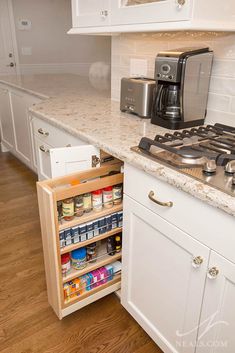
{"points": [[137, 95]]}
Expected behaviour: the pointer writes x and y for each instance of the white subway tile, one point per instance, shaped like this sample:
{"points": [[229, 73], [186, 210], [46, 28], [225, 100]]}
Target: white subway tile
{"points": [[219, 102]]}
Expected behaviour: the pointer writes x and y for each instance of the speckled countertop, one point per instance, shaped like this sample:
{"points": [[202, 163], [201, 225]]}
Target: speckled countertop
{"points": [[86, 111]]}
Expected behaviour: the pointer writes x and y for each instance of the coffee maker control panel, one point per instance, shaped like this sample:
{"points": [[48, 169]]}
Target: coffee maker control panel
{"points": [[167, 69]]}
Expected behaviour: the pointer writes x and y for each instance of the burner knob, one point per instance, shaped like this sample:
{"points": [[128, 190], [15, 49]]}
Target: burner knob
{"points": [[230, 167], [209, 167]]}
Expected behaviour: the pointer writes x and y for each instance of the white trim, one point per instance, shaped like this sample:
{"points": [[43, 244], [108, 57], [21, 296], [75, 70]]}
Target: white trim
{"points": [[13, 34], [81, 69]]}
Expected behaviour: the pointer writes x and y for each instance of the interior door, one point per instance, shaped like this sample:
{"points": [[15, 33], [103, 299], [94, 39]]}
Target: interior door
{"points": [[90, 13], [217, 324], [7, 130], [162, 287], [7, 57], [148, 11]]}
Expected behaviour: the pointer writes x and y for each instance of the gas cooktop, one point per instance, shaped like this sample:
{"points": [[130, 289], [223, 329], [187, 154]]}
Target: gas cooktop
{"points": [[206, 153]]}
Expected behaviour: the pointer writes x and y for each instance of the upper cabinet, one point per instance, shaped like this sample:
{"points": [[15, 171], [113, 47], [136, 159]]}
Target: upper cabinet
{"points": [[90, 13], [127, 12], [116, 16]]}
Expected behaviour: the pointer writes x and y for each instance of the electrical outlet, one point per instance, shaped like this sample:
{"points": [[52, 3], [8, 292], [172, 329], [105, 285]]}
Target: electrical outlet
{"points": [[26, 51], [138, 67]]}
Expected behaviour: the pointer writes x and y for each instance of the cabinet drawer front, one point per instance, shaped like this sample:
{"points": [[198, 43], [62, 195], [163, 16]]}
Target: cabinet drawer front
{"points": [[53, 136], [206, 223]]}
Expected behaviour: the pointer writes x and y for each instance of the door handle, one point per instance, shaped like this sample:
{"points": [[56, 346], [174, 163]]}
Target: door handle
{"points": [[45, 133], [43, 149], [164, 204], [11, 65]]}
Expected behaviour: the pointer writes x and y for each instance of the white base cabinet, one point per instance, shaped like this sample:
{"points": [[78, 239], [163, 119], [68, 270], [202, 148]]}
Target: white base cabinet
{"points": [[174, 283], [7, 129], [160, 283]]}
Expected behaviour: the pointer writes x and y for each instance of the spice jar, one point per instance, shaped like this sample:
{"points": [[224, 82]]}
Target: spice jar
{"points": [[65, 264], [78, 258], [97, 200], [117, 194], [118, 243], [91, 252], [78, 205], [59, 210], [87, 203], [68, 209], [108, 197], [111, 246]]}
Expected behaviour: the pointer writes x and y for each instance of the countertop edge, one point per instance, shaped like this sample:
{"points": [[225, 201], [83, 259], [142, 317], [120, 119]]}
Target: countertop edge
{"points": [[201, 191]]}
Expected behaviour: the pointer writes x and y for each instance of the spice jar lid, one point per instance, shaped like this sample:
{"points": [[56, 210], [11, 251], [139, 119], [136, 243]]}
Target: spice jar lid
{"points": [[78, 254], [108, 188], [65, 258], [117, 238], [97, 192]]}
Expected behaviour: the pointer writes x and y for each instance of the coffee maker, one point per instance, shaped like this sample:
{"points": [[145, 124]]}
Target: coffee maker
{"points": [[182, 84]]}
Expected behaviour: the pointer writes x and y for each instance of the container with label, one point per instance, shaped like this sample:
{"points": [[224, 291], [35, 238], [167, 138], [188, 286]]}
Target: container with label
{"points": [[90, 232], [96, 228], [118, 243], [91, 252], [68, 209], [75, 235], [108, 223], [78, 258], [108, 197], [87, 202], [65, 264], [120, 219], [67, 237], [97, 200], [82, 228], [102, 225], [117, 194], [62, 240], [114, 220], [111, 246], [78, 206]]}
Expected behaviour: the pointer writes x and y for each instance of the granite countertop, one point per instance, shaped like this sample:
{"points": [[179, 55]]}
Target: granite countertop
{"points": [[85, 110]]}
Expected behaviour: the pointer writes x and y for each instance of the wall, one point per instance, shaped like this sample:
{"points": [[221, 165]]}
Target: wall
{"points": [[53, 50], [221, 104]]}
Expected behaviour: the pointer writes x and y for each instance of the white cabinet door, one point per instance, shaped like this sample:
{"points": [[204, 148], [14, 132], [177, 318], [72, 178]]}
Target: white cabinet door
{"points": [[161, 287], [143, 12], [55, 162], [217, 325], [20, 104], [90, 13], [7, 130]]}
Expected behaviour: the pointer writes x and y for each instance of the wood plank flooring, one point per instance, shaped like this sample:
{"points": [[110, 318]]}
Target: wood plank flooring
{"points": [[27, 323]]}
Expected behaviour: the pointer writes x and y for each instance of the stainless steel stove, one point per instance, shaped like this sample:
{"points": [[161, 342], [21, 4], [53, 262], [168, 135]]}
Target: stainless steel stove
{"points": [[206, 153]]}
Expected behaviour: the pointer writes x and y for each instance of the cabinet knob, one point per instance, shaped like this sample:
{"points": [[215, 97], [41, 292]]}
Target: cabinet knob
{"points": [[43, 149], [164, 204], [197, 261], [104, 14], [180, 3], [212, 272], [44, 133]]}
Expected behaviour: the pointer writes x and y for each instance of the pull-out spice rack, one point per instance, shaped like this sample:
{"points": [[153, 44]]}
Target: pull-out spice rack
{"points": [[58, 189]]}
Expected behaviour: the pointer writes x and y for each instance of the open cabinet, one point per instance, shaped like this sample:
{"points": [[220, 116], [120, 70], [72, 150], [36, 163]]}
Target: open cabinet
{"points": [[52, 191]]}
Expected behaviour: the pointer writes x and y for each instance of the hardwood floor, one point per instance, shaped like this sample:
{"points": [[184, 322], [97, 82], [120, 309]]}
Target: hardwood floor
{"points": [[27, 323]]}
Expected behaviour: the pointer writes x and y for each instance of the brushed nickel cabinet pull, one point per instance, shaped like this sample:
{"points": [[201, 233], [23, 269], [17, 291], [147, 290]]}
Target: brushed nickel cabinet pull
{"points": [[213, 273], [40, 131], [43, 149], [164, 204]]}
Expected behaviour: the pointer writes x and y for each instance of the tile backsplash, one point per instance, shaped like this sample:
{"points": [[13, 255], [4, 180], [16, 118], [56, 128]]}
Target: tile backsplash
{"points": [[221, 103]]}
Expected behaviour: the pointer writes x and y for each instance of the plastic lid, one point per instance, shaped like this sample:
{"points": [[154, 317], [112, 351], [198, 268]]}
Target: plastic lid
{"points": [[65, 258], [75, 182], [97, 192], [108, 188], [117, 238], [78, 254]]}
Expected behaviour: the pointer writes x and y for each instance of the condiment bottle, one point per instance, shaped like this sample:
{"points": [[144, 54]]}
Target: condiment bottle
{"points": [[68, 209], [78, 258], [87, 203], [118, 243], [91, 253], [65, 264], [117, 194], [97, 200], [78, 204], [108, 197], [111, 246]]}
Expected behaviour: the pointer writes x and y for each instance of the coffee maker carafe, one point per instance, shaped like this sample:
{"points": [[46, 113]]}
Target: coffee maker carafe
{"points": [[182, 83]]}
